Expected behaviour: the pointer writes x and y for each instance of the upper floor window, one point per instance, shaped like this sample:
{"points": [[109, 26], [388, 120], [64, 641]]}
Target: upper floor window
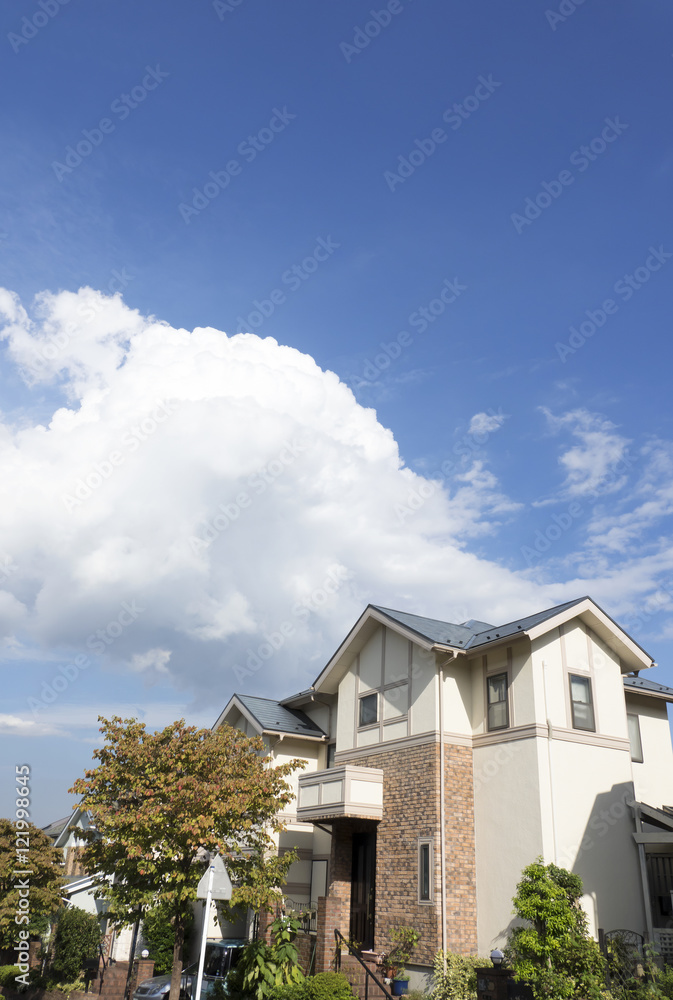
{"points": [[496, 696], [369, 710], [581, 703], [634, 736], [331, 750]]}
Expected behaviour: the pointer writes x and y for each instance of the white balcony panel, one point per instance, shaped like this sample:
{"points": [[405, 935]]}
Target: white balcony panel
{"points": [[345, 791]]}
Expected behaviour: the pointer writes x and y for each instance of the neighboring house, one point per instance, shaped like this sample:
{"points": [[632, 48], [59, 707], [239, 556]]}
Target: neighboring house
{"points": [[79, 889], [443, 758]]}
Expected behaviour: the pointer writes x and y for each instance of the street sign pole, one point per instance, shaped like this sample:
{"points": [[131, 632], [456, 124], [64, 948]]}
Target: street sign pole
{"points": [[204, 933]]}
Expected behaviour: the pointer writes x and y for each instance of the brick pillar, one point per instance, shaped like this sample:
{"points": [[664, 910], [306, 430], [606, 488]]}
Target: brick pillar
{"points": [[341, 869], [144, 970], [330, 910]]}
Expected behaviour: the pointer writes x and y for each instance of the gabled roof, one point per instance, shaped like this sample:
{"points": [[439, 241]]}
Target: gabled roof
{"points": [[79, 817], [449, 637], [640, 685], [472, 633], [57, 827], [270, 716], [433, 629]]}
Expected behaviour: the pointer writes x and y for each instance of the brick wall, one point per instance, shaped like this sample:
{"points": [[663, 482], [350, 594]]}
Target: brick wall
{"points": [[411, 786], [461, 876]]}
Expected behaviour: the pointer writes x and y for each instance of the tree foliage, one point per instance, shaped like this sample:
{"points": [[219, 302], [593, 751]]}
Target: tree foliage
{"points": [[159, 933], [554, 952], [42, 863], [158, 798], [78, 935]]}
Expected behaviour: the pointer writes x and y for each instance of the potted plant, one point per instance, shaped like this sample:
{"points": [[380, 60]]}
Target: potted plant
{"points": [[400, 983], [404, 941]]}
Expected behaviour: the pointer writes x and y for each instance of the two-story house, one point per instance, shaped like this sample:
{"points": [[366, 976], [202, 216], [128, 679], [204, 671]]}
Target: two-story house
{"points": [[443, 758]]}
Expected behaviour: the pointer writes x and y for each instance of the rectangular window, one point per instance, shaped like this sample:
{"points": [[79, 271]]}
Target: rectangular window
{"points": [[425, 871], [582, 704], [498, 709], [634, 736], [331, 750], [369, 710]]}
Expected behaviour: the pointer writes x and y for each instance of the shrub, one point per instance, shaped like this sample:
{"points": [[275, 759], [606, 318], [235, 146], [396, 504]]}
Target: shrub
{"points": [[458, 981], [78, 936], [554, 952], [8, 974], [329, 986]]}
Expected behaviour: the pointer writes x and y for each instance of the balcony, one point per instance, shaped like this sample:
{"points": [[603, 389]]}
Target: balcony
{"points": [[344, 792]]}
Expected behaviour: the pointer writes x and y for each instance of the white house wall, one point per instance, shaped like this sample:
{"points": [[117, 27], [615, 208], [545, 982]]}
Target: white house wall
{"points": [[508, 831], [653, 778]]}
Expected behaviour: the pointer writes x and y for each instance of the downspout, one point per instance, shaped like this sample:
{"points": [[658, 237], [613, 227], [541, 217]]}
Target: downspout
{"points": [[442, 825]]}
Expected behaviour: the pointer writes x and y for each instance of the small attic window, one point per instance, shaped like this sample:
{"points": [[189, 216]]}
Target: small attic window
{"points": [[369, 710]]}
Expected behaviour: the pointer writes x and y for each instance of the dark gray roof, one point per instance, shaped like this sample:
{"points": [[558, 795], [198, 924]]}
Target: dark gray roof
{"points": [[471, 633], [56, 827], [276, 718], [521, 624], [641, 684], [431, 628]]}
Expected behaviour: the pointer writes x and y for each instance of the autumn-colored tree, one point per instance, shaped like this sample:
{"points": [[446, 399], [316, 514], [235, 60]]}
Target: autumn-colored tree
{"points": [[31, 880], [157, 798]]}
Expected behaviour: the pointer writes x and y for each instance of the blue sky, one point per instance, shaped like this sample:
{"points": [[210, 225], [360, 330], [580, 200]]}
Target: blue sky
{"points": [[446, 231]]}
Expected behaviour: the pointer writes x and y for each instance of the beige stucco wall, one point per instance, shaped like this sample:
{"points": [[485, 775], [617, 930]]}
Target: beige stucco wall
{"points": [[653, 778], [508, 830]]}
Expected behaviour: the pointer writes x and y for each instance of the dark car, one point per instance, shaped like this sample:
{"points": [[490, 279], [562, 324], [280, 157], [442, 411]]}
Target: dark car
{"points": [[221, 956]]}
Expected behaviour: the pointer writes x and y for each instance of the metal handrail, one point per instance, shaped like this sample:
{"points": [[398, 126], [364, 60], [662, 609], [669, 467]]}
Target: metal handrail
{"points": [[341, 940]]}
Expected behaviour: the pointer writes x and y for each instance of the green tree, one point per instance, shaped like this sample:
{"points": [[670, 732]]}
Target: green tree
{"points": [[554, 952], [78, 935], [158, 798], [159, 933], [31, 880]]}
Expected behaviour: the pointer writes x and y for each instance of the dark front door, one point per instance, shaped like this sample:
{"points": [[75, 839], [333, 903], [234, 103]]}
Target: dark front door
{"points": [[363, 889]]}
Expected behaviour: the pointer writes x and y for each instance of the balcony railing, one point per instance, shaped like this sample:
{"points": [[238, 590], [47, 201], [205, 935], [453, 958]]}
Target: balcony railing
{"points": [[341, 792]]}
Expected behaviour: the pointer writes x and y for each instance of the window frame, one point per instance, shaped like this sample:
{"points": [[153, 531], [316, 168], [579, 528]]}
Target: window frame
{"points": [[589, 681], [489, 677], [636, 718], [361, 699], [426, 844]]}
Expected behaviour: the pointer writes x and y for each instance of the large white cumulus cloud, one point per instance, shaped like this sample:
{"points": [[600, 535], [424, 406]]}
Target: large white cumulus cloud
{"points": [[193, 491]]}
